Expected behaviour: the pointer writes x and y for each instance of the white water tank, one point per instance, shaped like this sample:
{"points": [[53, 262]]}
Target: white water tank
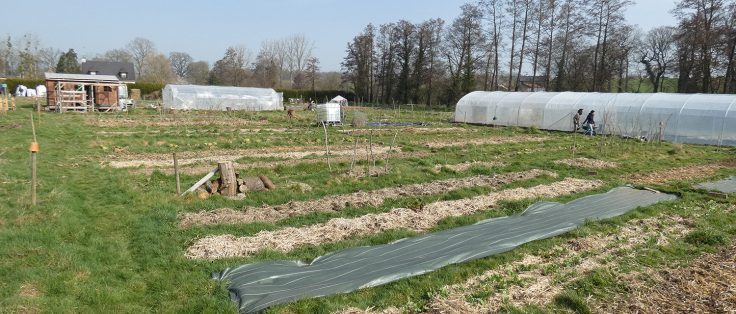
{"points": [[328, 113]]}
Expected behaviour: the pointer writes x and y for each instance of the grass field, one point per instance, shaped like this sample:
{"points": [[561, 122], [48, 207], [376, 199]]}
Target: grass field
{"points": [[106, 235]]}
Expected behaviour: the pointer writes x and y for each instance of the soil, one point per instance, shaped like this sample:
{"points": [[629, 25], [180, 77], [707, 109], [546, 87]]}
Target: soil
{"points": [[171, 120], [420, 219], [334, 203], [583, 162]]}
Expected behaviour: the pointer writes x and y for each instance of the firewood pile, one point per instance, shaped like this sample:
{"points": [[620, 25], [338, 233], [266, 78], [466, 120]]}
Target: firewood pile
{"points": [[230, 183]]}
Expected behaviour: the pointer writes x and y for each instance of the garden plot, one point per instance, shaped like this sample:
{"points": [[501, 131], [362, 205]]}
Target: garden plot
{"points": [[583, 162], [410, 130], [486, 141], [682, 173], [708, 285], [535, 279], [337, 229], [214, 156], [334, 203], [167, 121], [467, 165]]}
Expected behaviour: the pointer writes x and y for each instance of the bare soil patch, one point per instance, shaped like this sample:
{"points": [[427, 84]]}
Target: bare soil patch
{"points": [[28, 290], [420, 219], [708, 285], [583, 162], [409, 130], [334, 203]]}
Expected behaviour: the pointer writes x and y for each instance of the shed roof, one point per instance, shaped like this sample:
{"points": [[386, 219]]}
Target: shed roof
{"points": [[81, 78]]}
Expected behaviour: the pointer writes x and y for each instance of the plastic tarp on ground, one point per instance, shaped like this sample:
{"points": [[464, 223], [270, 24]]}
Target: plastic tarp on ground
{"points": [[725, 185], [258, 286], [683, 118], [199, 97]]}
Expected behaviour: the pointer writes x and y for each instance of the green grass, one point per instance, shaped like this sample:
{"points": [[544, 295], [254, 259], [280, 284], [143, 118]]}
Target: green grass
{"points": [[107, 240]]}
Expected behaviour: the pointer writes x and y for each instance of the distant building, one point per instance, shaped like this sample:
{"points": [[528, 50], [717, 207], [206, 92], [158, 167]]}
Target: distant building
{"points": [[124, 71], [532, 84]]}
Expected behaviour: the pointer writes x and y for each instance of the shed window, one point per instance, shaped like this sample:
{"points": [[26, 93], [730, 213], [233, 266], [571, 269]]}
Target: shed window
{"points": [[92, 72], [107, 89], [123, 74]]}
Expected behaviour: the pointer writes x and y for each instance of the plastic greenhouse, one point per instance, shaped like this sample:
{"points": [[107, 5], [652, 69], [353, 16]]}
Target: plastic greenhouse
{"points": [[680, 118], [198, 97]]}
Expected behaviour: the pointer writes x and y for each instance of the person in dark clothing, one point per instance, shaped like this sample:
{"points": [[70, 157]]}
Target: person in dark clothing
{"points": [[576, 120], [589, 123]]}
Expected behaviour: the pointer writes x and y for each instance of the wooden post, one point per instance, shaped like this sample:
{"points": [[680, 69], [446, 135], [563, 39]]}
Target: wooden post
{"points": [[176, 173], [370, 148], [34, 148], [661, 135], [12, 102], [388, 155], [355, 150], [228, 184], [327, 147]]}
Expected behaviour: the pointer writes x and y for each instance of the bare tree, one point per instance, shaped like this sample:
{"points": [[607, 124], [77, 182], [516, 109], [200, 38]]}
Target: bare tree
{"points": [[525, 7], [48, 57], [118, 55], [140, 49], [298, 48], [158, 70], [180, 63], [231, 69], [198, 73], [658, 54], [312, 70]]}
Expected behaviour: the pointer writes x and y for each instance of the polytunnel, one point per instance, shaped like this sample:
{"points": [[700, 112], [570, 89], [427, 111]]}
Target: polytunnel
{"points": [[680, 118], [198, 97]]}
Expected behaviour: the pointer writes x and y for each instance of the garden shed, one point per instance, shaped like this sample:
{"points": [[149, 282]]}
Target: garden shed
{"points": [[81, 92], [198, 97], [680, 118]]}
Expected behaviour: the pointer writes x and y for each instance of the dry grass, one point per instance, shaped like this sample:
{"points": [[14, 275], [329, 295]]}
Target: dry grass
{"points": [[168, 121], [467, 165], [680, 174], [706, 286], [28, 290], [486, 141], [333, 203], [337, 229], [583, 162]]}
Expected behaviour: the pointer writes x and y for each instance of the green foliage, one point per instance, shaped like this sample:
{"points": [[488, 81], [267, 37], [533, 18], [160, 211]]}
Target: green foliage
{"points": [[573, 302], [318, 96], [705, 237], [68, 63], [146, 88]]}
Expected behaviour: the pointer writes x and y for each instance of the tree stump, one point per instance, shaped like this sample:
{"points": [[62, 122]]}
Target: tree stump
{"points": [[228, 183]]}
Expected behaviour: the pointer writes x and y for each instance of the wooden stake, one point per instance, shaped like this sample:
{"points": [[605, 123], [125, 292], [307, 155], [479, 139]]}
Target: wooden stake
{"points": [[176, 173], [327, 147], [388, 155], [34, 149], [370, 148]]}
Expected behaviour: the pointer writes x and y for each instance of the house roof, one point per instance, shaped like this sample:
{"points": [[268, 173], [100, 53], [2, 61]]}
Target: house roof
{"points": [[109, 68], [81, 78]]}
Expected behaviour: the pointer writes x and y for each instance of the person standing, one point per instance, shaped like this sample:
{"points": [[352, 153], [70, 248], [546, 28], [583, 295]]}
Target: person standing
{"points": [[589, 123], [576, 120]]}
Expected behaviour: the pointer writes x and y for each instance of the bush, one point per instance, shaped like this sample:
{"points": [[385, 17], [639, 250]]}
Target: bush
{"points": [[146, 88], [359, 120]]}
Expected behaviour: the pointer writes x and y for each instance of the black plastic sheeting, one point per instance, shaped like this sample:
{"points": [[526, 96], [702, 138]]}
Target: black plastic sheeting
{"points": [[725, 185], [260, 285]]}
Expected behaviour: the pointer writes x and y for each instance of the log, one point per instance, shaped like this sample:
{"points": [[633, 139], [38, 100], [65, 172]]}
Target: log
{"points": [[254, 184], [266, 182], [243, 188], [228, 184]]}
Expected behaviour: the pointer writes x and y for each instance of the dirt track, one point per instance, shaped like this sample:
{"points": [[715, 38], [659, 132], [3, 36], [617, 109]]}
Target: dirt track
{"points": [[337, 229]]}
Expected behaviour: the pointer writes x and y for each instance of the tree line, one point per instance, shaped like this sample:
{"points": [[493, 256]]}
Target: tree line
{"points": [[554, 45], [285, 63]]}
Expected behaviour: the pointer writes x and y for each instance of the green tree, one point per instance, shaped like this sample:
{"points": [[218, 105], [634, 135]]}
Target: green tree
{"points": [[68, 63]]}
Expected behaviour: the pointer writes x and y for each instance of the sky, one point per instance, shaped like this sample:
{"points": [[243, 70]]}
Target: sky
{"points": [[205, 30]]}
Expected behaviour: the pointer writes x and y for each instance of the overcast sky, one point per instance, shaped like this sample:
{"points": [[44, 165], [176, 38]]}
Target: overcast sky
{"points": [[206, 30]]}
